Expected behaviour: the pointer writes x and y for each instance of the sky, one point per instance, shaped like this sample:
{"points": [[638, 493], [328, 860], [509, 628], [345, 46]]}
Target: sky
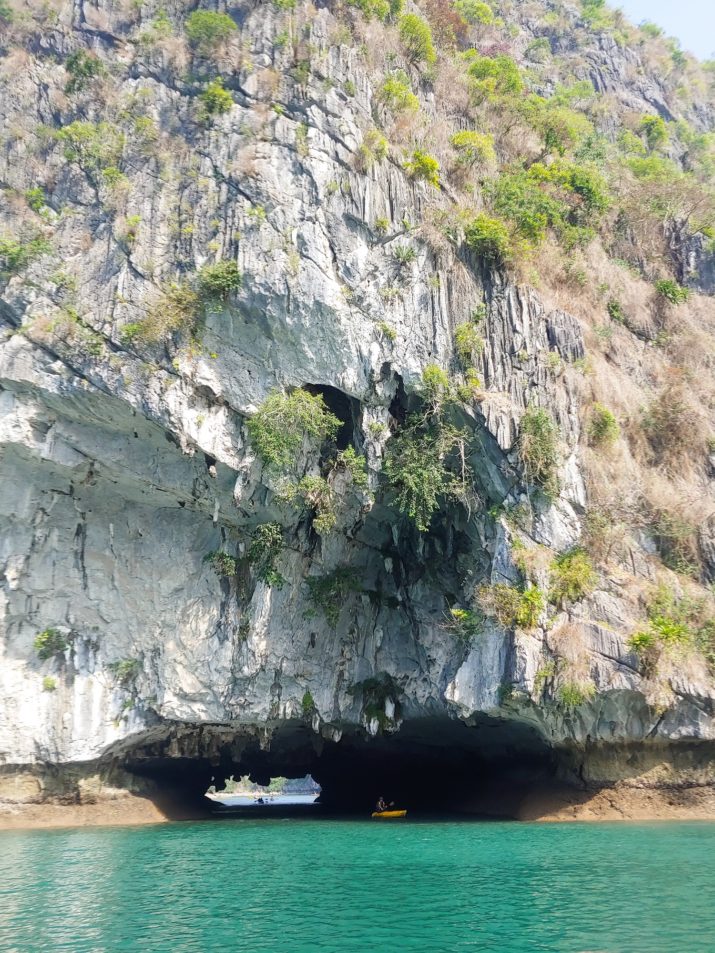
{"points": [[691, 21]]}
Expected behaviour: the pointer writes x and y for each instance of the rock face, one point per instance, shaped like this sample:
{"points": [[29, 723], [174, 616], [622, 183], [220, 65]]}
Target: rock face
{"points": [[124, 465]]}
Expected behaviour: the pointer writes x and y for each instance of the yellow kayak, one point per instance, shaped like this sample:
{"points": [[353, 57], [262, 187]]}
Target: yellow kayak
{"points": [[389, 814]]}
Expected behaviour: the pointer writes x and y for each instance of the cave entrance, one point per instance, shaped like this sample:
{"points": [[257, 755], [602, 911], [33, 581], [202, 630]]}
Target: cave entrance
{"points": [[437, 765], [345, 408]]}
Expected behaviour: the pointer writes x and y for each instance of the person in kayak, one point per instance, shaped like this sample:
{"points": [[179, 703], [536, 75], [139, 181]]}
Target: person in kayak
{"points": [[382, 804]]}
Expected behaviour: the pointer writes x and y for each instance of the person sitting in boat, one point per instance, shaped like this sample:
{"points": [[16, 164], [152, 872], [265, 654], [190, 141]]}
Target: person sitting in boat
{"points": [[382, 804]]}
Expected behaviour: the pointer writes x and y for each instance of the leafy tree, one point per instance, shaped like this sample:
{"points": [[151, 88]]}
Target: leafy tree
{"points": [[284, 421], [219, 280], [655, 131], [474, 11], [49, 643], [473, 147], [223, 564], [380, 9], [489, 238], [494, 77], [92, 145], [417, 38], [396, 93], [423, 166], [329, 593], [83, 67], [468, 344], [436, 387], [16, 255], [207, 30], [265, 548], [603, 429], [417, 468], [215, 99]]}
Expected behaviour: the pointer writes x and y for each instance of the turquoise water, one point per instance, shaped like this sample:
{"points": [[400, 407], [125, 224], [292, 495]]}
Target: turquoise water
{"points": [[308, 886]]}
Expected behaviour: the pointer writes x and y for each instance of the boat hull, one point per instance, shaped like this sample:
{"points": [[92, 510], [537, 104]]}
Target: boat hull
{"points": [[389, 815]]}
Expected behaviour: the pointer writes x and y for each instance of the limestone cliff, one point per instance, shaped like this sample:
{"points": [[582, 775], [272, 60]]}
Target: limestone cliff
{"points": [[125, 455]]}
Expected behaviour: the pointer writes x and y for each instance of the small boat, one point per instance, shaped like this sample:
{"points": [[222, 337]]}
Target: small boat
{"points": [[389, 815]]}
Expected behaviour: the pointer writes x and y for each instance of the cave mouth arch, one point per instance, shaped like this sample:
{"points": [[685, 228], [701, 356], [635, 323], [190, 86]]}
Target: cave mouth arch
{"points": [[433, 764]]}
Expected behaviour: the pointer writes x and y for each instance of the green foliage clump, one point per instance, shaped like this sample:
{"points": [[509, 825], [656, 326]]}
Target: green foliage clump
{"points": [[574, 694], [572, 577], [207, 30], [328, 593], [396, 93], [596, 15], [492, 78], [317, 493], [464, 623], [473, 147], [388, 331], [417, 39], [616, 312], [512, 607], [470, 388], [655, 131], [126, 671], [538, 449], [562, 196], [423, 166], [603, 429], [385, 10], [93, 146], [355, 464], [672, 291], [374, 148], [216, 282], [175, 310], [222, 563], [83, 67], [404, 254], [474, 11], [560, 127], [284, 421], [418, 469], [676, 541], [674, 622], [35, 198], [468, 344], [215, 99], [308, 705], [17, 255], [49, 684], [49, 643], [436, 387], [265, 547], [489, 238]]}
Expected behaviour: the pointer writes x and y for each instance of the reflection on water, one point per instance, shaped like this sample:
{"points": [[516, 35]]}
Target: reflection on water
{"points": [[351, 887]]}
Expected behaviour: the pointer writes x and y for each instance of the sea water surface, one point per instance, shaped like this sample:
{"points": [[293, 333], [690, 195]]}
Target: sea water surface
{"points": [[308, 886]]}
